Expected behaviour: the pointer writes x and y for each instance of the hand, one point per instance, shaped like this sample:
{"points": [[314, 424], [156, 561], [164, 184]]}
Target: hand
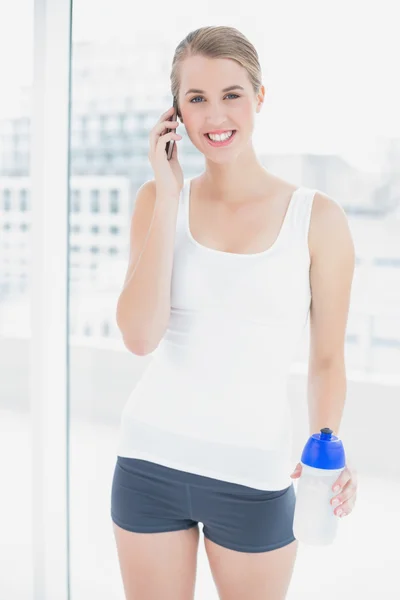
{"points": [[168, 173], [344, 502]]}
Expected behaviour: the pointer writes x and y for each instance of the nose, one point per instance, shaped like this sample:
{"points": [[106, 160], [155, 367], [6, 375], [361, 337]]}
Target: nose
{"points": [[215, 117]]}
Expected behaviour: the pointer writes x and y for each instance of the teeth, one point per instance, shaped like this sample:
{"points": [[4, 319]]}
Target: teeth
{"points": [[220, 138]]}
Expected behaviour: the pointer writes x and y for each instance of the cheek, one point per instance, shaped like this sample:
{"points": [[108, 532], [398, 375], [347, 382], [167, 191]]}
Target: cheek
{"points": [[193, 125], [191, 120], [246, 112]]}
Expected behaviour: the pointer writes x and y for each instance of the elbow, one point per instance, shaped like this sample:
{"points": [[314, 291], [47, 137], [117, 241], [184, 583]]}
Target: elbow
{"points": [[133, 343], [135, 349], [138, 342], [139, 347]]}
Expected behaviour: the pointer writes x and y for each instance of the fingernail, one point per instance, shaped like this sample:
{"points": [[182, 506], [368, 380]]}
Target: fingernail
{"points": [[336, 488]]}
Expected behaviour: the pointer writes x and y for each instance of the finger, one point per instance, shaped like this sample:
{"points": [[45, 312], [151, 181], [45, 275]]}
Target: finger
{"points": [[341, 481], [344, 496], [174, 155], [298, 470], [166, 114], [163, 139], [165, 125], [345, 508], [158, 130]]}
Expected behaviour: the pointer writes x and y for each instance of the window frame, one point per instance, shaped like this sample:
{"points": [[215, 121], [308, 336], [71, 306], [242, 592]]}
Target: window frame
{"points": [[49, 354]]}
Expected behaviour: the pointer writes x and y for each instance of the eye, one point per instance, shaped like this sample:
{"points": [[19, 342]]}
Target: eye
{"points": [[195, 98]]}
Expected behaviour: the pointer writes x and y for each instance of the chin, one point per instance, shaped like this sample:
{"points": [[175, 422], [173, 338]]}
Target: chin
{"points": [[221, 161]]}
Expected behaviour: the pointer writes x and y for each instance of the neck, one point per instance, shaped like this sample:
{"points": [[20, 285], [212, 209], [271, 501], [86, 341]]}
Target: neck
{"points": [[234, 182]]}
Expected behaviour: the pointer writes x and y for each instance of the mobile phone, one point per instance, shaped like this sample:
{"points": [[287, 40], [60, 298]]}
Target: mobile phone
{"points": [[170, 145]]}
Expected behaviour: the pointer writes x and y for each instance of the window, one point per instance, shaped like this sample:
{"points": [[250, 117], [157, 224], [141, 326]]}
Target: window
{"points": [[76, 201], [16, 77], [387, 262], [94, 201], [114, 195], [87, 330], [23, 200], [7, 200]]}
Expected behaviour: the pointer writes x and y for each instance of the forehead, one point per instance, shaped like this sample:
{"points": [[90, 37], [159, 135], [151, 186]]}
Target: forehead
{"points": [[211, 73]]}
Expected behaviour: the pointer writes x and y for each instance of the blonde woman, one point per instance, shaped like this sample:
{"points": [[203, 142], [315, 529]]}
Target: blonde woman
{"points": [[221, 274]]}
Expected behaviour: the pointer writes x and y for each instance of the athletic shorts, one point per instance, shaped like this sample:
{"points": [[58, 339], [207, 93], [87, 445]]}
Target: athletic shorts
{"points": [[147, 497]]}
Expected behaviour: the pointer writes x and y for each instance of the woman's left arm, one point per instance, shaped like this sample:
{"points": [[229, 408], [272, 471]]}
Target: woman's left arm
{"points": [[331, 274]]}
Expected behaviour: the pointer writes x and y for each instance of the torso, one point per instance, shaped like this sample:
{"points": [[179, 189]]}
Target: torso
{"points": [[247, 229]]}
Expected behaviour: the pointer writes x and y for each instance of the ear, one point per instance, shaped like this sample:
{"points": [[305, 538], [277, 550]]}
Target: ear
{"points": [[260, 98]]}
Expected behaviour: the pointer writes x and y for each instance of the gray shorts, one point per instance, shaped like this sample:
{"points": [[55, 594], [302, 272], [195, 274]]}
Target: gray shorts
{"points": [[147, 497]]}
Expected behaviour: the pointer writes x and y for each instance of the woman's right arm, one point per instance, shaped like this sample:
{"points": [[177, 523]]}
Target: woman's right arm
{"points": [[143, 307]]}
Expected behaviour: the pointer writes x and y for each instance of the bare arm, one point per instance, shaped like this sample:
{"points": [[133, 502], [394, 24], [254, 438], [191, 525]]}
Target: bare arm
{"points": [[331, 274], [143, 307]]}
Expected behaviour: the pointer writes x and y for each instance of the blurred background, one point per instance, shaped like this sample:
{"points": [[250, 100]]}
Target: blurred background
{"points": [[330, 121]]}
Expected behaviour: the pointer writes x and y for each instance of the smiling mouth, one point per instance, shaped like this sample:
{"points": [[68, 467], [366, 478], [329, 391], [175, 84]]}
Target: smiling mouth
{"points": [[224, 142]]}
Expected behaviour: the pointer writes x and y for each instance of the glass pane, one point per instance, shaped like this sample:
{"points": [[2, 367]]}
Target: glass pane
{"points": [[323, 125], [15, 219]]}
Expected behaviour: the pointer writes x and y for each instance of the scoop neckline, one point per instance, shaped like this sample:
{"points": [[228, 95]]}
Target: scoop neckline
{"points": [[215, 251]]}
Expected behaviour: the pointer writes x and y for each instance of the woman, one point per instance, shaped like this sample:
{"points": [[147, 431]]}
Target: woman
{"points": [[221, 273]]}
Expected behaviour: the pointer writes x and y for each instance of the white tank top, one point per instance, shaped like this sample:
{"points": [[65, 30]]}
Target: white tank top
{"points": [[213, 399]]}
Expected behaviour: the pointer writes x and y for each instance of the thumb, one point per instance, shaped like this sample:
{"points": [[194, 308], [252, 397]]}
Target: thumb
{"points": [[297, 472]]}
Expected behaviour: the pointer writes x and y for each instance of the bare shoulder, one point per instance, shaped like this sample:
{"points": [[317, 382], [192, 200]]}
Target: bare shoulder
{"points": [[329, 226]]}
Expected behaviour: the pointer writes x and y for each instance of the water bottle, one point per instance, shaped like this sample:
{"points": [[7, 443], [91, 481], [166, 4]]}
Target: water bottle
{"points": [[323, 459]]}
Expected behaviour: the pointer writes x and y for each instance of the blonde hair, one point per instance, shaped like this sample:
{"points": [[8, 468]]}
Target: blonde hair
{"points": [[217, 42]]}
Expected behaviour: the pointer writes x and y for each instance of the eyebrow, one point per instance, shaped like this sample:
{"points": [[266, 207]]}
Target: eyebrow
{"points": [[227, 89]]}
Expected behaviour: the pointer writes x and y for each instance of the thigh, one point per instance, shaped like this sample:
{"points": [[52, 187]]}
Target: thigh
{"points": [[157, 541], [259, 576], [158, 565], [249, 540]]}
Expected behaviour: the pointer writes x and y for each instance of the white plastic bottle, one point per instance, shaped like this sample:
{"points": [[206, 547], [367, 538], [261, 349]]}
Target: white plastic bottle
{"points": [[322, 460]]}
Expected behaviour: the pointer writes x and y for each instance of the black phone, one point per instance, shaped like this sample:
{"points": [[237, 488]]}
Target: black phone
{"points": [[170, 145]]}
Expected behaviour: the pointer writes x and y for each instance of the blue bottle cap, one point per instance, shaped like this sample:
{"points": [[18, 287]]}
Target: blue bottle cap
{"points": [[324, 451]]}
